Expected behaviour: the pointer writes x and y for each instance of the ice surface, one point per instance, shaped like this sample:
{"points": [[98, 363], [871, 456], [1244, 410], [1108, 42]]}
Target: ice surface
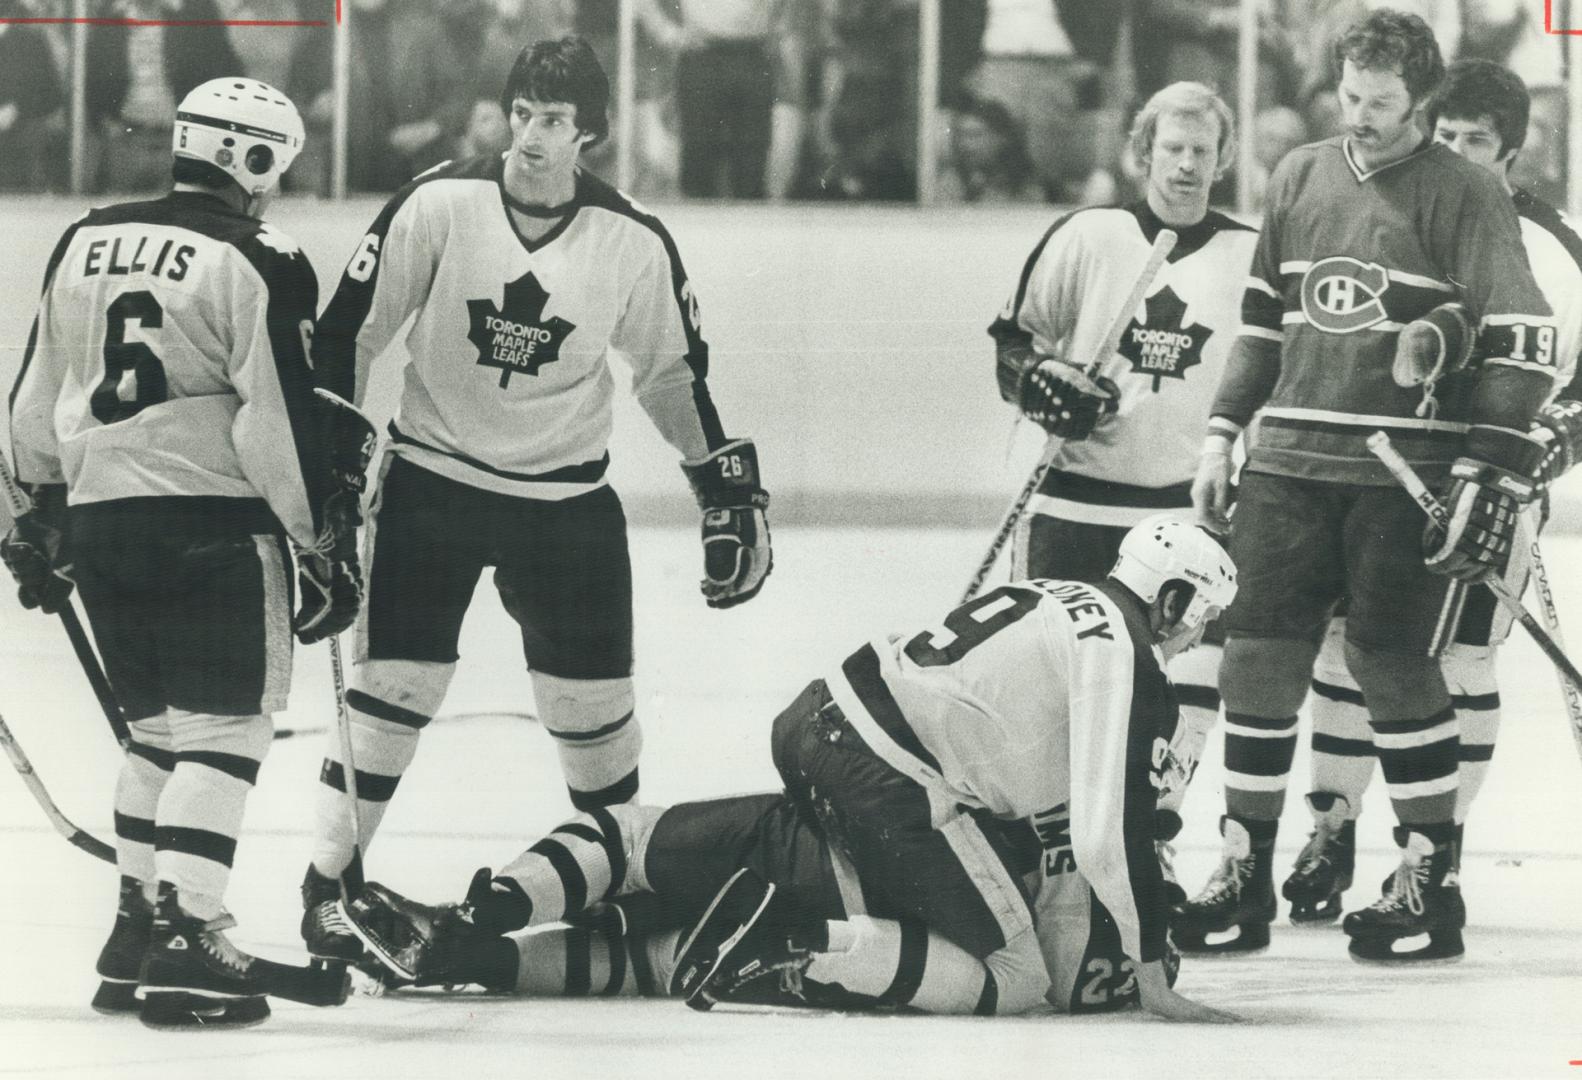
{"points": [[708, 684]]}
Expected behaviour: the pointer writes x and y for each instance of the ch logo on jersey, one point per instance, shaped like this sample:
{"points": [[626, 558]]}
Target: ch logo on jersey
{"points": [[514, 336], [1341, 295], [1167, 344]]}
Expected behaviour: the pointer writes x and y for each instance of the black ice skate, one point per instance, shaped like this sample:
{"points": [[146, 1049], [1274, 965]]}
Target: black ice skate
{"points": [[431, 944], [1238, 896], [739, 904], [1324, 867], [324, 931], [121, 959], [1424, 897], [193, 976]]}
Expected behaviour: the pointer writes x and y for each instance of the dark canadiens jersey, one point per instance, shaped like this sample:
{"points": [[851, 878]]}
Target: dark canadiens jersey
{"points": [[1346, 258], [509, 387], [169, 358]]}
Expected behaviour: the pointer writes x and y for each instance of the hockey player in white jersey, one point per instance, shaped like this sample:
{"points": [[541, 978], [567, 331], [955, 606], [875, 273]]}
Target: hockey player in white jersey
{"points": [[1132, 436], [165, 421], [1480, 111], [934, 782], [521, 275]]}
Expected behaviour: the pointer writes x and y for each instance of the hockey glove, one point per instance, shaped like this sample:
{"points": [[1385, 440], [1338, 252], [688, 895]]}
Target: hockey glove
{"points": [[329, 577], [35, 552], [1435, 345], [1064, 401], [736, 553], [328, 573], [1489, 484], [1558, 426]]}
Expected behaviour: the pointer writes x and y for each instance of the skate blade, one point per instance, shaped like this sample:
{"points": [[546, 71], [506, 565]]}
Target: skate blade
{"points": [[1249, 939], [170, 1011], [688, 969], [1445, 947], [1312, 918], [381, 949], [701, 1000], [115, 997]]}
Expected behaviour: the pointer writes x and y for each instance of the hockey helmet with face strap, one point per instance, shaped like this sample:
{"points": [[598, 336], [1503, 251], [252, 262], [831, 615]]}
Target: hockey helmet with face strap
{"points": [[247, 129], [1162, 549]]}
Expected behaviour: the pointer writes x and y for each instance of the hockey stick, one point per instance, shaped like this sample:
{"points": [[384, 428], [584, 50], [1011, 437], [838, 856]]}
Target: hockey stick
{"points": [[343, 728], [1402, 470], [24, 768], [1551, 614], [1164, 243], [18, 504]]}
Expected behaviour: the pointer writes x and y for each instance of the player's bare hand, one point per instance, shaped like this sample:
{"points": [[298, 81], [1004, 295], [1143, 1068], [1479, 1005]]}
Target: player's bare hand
{"points": [[1159, 999], [1211, 492]]}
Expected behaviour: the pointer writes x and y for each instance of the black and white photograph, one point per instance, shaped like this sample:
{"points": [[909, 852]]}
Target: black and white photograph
{"points": [[843, 538]]}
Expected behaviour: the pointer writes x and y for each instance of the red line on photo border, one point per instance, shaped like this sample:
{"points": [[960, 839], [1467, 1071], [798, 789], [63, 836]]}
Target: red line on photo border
{"points": [[169, 22], [1549, 27]]}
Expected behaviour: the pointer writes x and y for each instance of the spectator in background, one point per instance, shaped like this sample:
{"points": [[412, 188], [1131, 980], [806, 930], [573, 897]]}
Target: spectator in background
{"points": [[741, 73], [31, 93], [137, 74], [987, 160], [873, 150], [266, 51], [867, 74], [1276, 132], [408, 95], [1045, 60], [1197, 41]]}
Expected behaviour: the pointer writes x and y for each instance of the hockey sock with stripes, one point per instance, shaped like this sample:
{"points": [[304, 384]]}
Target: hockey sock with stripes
{"points": [[390, 702], [200, 810]]}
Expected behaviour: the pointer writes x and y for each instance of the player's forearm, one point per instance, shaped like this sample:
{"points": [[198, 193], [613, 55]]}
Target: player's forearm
{"points": [[1508, 396], [674, 412], [1250, 375]]}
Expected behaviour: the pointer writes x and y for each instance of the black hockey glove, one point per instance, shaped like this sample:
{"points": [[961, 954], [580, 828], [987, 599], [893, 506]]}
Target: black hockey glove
{"points": [[1064, 401], [35, 552], [328, 574], [329, 577], [1558, 426], [736, 553], [1489, 484]]}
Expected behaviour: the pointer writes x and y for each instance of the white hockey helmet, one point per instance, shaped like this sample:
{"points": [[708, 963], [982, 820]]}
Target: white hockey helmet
{"points": [[1163, 548], [245, 128]]}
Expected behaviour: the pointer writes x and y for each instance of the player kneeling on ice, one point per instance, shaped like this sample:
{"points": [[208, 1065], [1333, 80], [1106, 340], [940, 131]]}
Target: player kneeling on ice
{"points": [[166, 421], [967, 826]]}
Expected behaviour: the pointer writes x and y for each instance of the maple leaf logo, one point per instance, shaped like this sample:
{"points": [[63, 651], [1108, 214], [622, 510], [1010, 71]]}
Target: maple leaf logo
{"points": [[1165, 345], [514, 336], [272, 237]]}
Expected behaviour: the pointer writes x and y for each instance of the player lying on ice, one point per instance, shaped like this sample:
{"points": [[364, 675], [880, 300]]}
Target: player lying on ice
{"points": [[942, 791]]}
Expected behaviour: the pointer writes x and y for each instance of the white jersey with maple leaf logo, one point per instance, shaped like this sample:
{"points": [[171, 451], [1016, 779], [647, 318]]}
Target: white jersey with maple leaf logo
{"points": [[509, 386], [1168, 363], [169, 360]]}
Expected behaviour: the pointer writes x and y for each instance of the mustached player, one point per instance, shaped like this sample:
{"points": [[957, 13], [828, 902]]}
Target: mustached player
{"points": [[166, 422], [1132, 434], [521, 275], [1366, 233], [1480, 112], [1025, 739]]}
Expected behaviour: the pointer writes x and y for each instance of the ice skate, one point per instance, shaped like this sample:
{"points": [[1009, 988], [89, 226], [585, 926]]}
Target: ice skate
{"points": [[192, 976], [730, 916], [1239, 896], [428, 943], [121, 959], [1323, 869], [1424, 897], [324, 931]]}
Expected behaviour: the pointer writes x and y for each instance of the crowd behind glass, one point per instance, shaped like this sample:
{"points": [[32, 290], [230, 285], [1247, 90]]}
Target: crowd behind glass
{"points": [[740, 99]]}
